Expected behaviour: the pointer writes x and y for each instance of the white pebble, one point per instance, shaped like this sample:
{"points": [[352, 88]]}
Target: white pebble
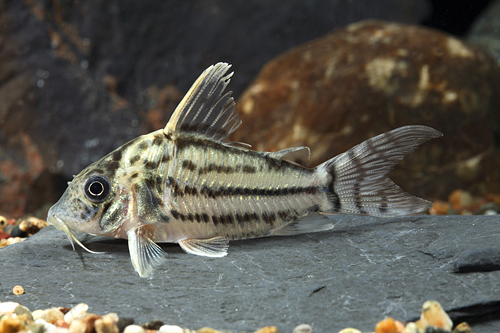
{"points": [[350, 330], [303, 328], [47, 326], [410, 328], [7, 307], [76, 313], [170, 329], [134, 329], [112, 316]]}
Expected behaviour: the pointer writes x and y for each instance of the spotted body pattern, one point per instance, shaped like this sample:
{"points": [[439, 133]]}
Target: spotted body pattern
{"points": [[188, 184]]}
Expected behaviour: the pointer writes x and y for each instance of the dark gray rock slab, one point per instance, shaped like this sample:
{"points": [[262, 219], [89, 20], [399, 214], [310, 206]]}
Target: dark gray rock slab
{"points": [[359, 273]]}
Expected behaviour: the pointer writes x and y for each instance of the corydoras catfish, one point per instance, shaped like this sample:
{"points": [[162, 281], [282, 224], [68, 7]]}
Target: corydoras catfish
{"points": [[188, 184]]}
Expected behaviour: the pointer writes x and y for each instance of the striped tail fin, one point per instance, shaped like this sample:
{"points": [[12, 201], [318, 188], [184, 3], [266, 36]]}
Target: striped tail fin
{"points": [[357, 181]]}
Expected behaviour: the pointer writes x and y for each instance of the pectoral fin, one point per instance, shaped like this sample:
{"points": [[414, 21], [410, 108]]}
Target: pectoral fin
{"points": [[145, 254], [213, 247]]}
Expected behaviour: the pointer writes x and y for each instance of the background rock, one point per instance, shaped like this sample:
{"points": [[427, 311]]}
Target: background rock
{"points": [[354, 276], [78, 79], [337, 91]]}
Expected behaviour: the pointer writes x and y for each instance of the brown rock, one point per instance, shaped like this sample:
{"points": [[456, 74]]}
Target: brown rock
{"points": [[334, 92]]}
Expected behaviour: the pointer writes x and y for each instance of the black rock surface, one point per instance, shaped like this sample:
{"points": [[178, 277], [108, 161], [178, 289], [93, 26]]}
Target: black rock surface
{"points": [[357, 274]]}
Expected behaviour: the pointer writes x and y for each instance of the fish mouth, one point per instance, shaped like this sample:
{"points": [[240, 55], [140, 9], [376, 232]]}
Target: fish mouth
{"points": [[61, 226]]}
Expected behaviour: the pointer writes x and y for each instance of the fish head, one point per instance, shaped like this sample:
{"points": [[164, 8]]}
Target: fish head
{"points": [[94, 202]]}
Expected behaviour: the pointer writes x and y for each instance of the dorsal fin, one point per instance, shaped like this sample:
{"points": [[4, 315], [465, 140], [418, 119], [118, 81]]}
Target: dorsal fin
{"points": [[296, 155], [205, 110]]}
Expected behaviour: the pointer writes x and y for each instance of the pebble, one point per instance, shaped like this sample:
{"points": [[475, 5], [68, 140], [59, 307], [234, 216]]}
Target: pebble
{"points": [[434, 315], [387, 325], [22, 310], [77, 326], [303, 328], [107, 324], [267, 329], [489, 208], [62, 323], [46, 326], [155, 324], [17, 232], [170, 329], [135, 329], [37, 328], [32, 225], [23, 313], [8, 307], [122, 323], [50, 316], [76, 313], [3, 222], [463, 328], [9, 324], [18, 290], [207, 330], [9, 241], [350, 330], [410, 328], [89, 320]]}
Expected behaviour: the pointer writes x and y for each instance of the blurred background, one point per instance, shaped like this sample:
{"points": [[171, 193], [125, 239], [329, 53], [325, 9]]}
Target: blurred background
{"points": [[80, 78]]}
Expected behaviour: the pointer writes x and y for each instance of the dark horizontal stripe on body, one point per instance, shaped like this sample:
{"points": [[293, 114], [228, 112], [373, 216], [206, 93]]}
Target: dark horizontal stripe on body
{"points": [[237, 191], [242, 218], [264, 192], [188, 142], [212, 167]]}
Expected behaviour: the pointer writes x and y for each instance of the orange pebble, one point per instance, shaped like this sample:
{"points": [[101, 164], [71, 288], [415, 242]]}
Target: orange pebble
{"points": [[460, 199], [267, 329], [434, 315], [62, 323], [399, 325], [439, 208], [386, 326], [18, 290]]}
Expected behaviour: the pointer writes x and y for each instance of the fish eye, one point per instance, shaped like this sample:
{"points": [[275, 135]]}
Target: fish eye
{"points": [[97, 188]]}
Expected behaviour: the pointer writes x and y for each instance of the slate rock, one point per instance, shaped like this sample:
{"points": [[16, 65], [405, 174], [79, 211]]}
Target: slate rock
{"points": [[78, 79], [370, 77], [353, 276], [483, 260]]}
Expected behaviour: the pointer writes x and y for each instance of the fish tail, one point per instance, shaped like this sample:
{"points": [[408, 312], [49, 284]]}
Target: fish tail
{"points": [[356, 181]]}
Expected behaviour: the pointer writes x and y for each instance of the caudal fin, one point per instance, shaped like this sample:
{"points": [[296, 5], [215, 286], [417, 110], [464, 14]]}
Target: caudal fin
{"points": [[357, 182]]}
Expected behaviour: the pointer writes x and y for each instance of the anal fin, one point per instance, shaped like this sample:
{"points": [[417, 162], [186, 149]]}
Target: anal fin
{"points": [[307, 224], [215, 247], [145, 254]]}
